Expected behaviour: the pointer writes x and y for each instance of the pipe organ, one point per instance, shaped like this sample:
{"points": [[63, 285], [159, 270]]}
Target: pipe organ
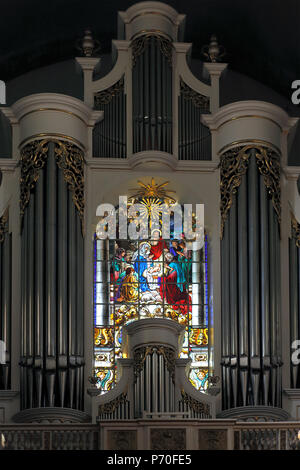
{"points": [[149, 113], [250, 244], [52, 266], [294, 279], [109, 135], [152, 93], [5, 301]]}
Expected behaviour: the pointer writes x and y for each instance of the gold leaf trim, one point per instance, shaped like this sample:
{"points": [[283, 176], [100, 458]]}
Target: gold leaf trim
{"points": [[141, 354], [3, 226], [33, 159], [139, 44], [295, 230], [113, 405], [195, 405], [268, 163], [70, 160], [233, 166], [104, 97], [198, 100]]}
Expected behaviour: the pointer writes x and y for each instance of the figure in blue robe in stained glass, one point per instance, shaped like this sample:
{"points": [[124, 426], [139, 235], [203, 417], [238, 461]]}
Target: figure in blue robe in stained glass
{"points": [[141, 264]]}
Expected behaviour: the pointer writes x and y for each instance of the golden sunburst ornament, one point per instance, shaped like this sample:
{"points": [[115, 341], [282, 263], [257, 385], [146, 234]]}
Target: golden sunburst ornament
{"points": [[154, 190]]}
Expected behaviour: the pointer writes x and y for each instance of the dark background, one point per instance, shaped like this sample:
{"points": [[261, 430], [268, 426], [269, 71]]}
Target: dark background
{"points": [[261, 37]]}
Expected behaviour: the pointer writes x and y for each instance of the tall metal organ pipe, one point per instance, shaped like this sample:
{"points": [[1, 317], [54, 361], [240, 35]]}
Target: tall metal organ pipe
{"points": [[152, 93], [250, 251], [52, 281], [5, 301]]}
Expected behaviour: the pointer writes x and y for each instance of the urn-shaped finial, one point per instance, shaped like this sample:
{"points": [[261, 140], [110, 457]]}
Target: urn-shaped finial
{"points": [[214, 51], [88, 45]]}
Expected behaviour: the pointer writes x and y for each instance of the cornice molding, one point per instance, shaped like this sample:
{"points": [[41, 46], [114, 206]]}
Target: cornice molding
{"points": [[215, 68], [255, 413], [292, 393], [249, 109], [156, 15], [55, 102], [291, 173], [148, 8], [51, 415], [249, 142], [88, 63], [8, 394], [152, 160], [8, 164]]}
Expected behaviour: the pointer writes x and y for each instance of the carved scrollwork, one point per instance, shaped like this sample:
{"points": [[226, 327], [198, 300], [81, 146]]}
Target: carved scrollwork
{"points": [[104, 97], [295, 230], [140, 355], [33, 159], [113, 405], [70, 160], [269, 167], [198, 100], [139, 44], [3, 226], [233, 166], [195, 405]]}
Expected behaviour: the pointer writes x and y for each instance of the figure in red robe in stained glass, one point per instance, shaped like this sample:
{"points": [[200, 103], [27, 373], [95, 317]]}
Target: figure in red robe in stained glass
{"points": [[170, 291]]}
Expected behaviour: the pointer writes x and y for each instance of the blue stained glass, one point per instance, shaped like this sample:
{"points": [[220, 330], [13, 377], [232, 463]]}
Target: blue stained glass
{"points": [[158, 288]]}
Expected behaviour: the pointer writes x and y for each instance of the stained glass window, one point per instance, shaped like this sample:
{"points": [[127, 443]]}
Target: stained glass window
{"points": [[150, 279]]}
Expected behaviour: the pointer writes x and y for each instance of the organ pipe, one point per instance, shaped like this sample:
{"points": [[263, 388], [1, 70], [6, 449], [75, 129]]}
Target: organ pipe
{"points": [[294, 277], [5, 300], [194, 138], [152, 94], [250, 250], [52, 267], [109, 135]]}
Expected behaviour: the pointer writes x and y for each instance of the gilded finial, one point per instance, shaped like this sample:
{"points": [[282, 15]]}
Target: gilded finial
{"points": [[213, 52], [88, 45]]}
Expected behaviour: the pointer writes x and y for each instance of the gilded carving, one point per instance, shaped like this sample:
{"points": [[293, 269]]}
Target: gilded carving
{"points": [[295, 230], [234, 165], [198, 100], [269, 167], [195, 405], [3, 226], [70, 160], [104, 97], [33, 159], [141, 354], [139, 44], [113, 405]]}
